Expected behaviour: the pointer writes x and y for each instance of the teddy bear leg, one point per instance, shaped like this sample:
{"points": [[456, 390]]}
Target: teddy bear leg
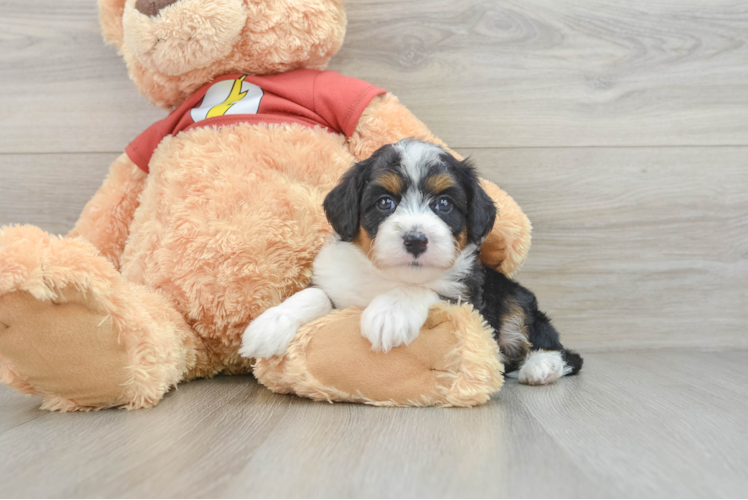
{"points": [[453, 362], [75, 332]]}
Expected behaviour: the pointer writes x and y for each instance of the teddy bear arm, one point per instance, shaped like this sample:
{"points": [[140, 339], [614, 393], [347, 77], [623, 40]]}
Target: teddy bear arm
{"points": [[506, 246], [453, 362], [385, 121], [105, 220]]}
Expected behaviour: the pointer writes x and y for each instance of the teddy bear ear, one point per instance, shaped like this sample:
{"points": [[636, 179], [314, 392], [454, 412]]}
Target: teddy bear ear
{"points": [[110, 18]]}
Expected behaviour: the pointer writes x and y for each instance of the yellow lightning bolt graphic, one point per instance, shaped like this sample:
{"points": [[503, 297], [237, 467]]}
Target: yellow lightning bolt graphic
{"points": [[234, 96]]}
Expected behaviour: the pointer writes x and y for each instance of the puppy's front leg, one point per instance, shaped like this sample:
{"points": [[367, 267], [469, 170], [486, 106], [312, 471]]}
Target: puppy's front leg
{"points": [[396, 317], [271, 333]]}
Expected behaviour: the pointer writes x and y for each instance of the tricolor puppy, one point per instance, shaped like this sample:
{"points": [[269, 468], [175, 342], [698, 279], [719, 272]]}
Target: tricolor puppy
{"points": [[409, 221]]}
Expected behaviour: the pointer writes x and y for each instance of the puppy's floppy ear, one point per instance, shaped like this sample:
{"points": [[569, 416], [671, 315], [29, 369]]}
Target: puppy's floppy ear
{"points": [[343, 204], [481, 208], [482, 215]]}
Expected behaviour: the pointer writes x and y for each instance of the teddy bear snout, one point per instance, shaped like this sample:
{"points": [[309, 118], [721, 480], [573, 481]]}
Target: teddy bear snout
{"points": [[174, 37], [151, 8]]}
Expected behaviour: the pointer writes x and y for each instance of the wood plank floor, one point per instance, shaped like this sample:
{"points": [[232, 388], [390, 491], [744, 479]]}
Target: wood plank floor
{"points": [[621, 128], [480, 73], [633, 247], [662, 424]]}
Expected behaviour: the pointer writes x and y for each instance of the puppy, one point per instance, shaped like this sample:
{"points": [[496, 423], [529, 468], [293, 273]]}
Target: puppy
{"points": [[409, 221]]}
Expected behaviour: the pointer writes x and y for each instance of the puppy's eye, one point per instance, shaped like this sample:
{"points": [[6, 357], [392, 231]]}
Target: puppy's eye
{"points": [[386, 204], [443, 205]]}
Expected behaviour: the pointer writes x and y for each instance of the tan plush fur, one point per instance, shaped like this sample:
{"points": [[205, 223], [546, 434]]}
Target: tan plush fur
{"points": [[506, 246], [110, 18], [177, 41], [245, 209], [453, 362], [106, 219], [164, 271], [277, 36], [386, 121], [158, 345]]}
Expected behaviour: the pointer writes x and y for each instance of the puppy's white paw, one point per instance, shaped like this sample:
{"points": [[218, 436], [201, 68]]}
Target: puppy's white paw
{"points": [[389, 323], [541, 368], [269, 335]]}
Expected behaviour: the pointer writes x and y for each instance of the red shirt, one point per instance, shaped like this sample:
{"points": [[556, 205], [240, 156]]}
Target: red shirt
{"points": [[304, 96]]}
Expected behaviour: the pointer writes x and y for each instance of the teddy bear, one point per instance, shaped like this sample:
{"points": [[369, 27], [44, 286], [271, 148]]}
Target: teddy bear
{"points": [[214, 214]]}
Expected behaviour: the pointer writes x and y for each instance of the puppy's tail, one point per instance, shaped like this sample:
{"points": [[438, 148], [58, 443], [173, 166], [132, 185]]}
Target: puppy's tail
{"points": [[573, 362]]}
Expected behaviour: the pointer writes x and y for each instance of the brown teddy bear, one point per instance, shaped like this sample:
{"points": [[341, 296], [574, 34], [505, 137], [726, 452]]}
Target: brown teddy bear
{"points": [[215, 214]]}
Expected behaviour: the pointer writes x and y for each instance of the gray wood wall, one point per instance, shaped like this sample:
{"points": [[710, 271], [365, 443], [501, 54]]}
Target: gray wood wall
{"points": [[621, 127]]}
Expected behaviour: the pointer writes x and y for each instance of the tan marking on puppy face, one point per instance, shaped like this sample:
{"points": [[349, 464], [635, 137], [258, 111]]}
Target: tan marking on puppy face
{"points": [[391, 182], [514, 336], [363, 241], [461, 240], [440, 182]]}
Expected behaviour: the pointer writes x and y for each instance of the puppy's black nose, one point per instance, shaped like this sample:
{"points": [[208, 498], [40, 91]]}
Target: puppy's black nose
{"points": [[415, 243]]}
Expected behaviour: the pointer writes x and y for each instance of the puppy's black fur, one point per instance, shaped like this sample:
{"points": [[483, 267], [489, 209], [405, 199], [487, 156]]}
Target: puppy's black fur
{"points": [[482, 211], [352, 203], [342, 205], [352, 206], [492, 294]]}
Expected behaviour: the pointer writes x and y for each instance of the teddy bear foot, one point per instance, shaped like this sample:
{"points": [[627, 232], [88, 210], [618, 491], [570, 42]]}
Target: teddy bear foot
{"points": [[66, 352], [453, 362], [75, 332]]}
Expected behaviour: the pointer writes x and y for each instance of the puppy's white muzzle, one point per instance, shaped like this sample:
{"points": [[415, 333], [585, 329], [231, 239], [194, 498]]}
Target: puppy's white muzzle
{"points": [[414, 239]]}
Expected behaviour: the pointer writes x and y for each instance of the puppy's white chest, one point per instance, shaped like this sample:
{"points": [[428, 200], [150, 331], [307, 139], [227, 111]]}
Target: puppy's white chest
{"points": [[351, 280], [347, 276]]}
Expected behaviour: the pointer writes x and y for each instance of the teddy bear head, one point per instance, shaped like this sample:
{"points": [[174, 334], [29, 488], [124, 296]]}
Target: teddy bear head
{"points": [[173, 47]]}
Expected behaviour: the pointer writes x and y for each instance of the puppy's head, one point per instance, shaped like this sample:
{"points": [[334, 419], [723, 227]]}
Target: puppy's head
{"points": [[411, 205]]}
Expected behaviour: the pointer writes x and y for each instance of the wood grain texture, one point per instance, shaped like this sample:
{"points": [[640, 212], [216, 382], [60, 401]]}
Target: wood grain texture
{"points": [[17, 409], [480, 73], [560, 73], [632, 424], [634, 247], [62, 89], [49, 190]]}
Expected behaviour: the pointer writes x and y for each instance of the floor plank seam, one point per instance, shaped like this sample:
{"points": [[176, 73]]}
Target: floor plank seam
{"points": [[480, 148], [664, 350]]}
